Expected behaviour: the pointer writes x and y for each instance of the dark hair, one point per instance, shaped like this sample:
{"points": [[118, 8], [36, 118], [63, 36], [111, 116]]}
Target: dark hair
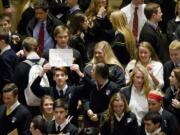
{"points": [[30, 44], [4, 16], [155, 117], [63, 69], [41, 4], [40, 123], [151, 8], [11, 87], [60, 103], [102, 70], [76, 21], [89, 131]]}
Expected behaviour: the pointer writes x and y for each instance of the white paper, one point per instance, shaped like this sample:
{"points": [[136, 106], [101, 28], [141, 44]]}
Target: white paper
{"points": [[61, 57]]}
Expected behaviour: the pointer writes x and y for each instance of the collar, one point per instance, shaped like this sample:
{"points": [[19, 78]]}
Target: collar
{"points": [[102, 85], [64, 89], [154, 25], [44, 117], [154, 133], [62, 126], [177, 19], [74, 8], [58, 47], [135, 90], [14, 106], [160, 111], [5, 49], [119, 118], [32, 55]]}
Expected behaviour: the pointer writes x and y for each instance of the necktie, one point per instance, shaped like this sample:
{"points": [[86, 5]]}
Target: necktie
{"points": [[59, 129], [41, 39], [135, 22], [61, 93], [8, 111], [158, 29]]}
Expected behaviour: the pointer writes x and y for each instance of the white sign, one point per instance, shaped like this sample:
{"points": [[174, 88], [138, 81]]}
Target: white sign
{"points": [[61, 57]]}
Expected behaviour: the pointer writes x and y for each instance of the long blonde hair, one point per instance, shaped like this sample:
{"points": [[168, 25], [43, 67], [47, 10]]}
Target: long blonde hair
{"points": [[146, 82], [120, 23], [109, 57]]}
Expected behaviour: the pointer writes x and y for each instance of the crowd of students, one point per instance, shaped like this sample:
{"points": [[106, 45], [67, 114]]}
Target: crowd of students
{"points": [[124, 79]]}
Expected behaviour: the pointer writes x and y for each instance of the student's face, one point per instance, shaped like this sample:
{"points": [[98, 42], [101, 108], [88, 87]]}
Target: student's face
{"points": [[60, 114], [150, 126], [85, 24], [153, 105], [9, 99], [118, 107], [175, 55], [5, 25], [48, 106], [158, 15], [173, 80], [144, 54], [138, 79], [102, 3], [60, 78], [99, 54], [62, 39], [41, 15]]}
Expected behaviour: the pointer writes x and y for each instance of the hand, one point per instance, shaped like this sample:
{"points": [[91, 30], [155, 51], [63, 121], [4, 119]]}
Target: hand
{"points": [[20, 53], [94, 118], [68, 119], [79, 104], [46, 68], [90, 113], [9, 11], [101, 12], [149, 68], [75, 67], [176, 103], [15, 39]]}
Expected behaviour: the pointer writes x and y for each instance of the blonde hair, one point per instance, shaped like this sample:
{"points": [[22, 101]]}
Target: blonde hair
{"points": [[110, 112], [148, 46], [146, 82], [109, 57], [174, 45], [120, 23]]}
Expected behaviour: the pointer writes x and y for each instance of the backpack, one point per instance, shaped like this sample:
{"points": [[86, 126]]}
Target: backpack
{"points": [[35, 70]]}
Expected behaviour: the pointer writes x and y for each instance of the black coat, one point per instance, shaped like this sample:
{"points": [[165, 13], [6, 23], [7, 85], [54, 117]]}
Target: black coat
{"points": [[168, 67], [127, 126], [155, 38], [69, 128], [20, 118]]}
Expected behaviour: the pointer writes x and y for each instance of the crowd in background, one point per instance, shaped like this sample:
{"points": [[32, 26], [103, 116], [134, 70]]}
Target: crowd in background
{"points": [[125, 76]]}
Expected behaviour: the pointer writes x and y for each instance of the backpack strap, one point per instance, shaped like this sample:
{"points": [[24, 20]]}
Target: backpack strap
{"points": [[29, 62], [40, 62]]}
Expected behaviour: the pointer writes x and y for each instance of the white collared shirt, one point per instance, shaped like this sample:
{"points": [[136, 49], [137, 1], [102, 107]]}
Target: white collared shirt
{"points": [[62, 126], [155, 132], [64, 89], [138, 104], [14, 106], [129, 11], [32, 55]]}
